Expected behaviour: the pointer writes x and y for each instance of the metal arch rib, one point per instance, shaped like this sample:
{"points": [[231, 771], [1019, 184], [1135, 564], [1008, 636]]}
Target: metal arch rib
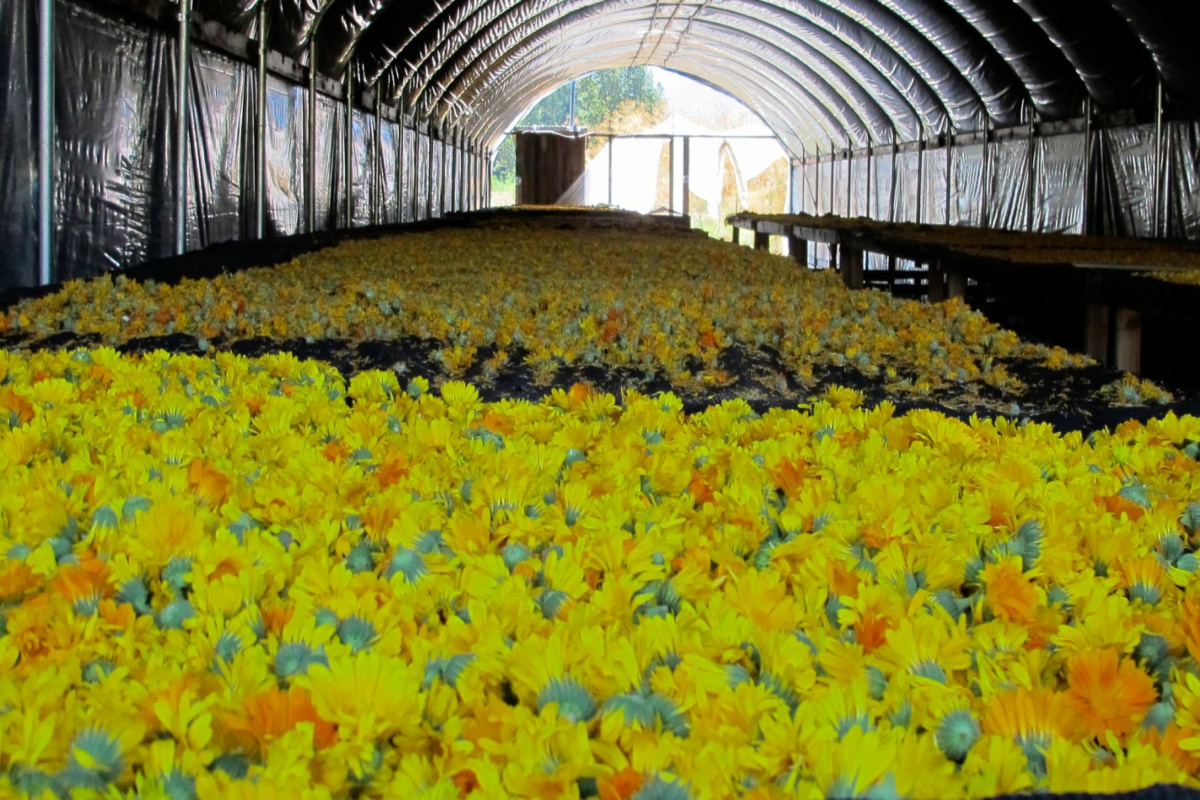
{"points": [[851, 76], [752, 81], [841, 118], [793, 130], [856, 119]]}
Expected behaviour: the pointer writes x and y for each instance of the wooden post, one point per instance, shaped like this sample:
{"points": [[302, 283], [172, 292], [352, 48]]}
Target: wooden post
{"points": [[937, 282], [762, 240], [956, 284], [1096, 331], [1128, 346], [891, 276], [798, 249], [852, 268], [833, 256]]}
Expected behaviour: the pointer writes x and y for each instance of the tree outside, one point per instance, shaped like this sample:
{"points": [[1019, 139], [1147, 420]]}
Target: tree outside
{"points": [[619, 100]]}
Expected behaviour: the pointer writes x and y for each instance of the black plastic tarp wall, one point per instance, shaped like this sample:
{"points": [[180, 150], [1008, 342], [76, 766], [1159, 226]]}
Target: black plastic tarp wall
{"points": [[114, 142], [861, 73]]}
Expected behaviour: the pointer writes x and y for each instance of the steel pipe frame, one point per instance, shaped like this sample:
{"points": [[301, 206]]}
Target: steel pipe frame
{"points": [[1159, 150], [920, 179], [349, 162], [310, 141], [949, 170], [809, 16], [671, 175], [1088, 155], [260, 130], [46, 143], [401, 154], [849, 178], [1031, 173], [986, 188], [182, 86]]}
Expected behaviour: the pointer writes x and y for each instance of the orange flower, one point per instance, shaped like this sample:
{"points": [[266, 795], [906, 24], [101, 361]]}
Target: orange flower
{"points": [[275, 616], [396, 466], [1190, 620], [1117, 505], [87, 580], [871, 631], [1010, 595], [267, 716], [16, 405], [209, 484], [1026, 715], [1107, 693], [1170, 745], [621, 786], [708, 339], [16, 578], [788, 474]]}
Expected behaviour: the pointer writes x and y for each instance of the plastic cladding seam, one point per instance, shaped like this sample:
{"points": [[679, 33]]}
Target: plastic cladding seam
{"points": [[737, 81], [857, 115], [748, 81]]}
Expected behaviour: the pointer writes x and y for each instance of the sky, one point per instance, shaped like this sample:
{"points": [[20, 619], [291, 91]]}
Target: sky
{"points": [[693, 100]]}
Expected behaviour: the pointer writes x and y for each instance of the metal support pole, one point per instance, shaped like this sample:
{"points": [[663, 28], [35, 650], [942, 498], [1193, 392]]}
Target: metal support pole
{"points": [[45, 140], [832, 170], [987, 175], [444, 173], [460, 142], [817, 183], [920, 178], [870, 197], [260, 130], [849, 178], [489, 178], [949, 170], [377, 162], [1158, 160], [310, 141], [349, 147], [181, 125], [1031, 175], [400, 148], [687, 176], [671, 175], [429, 177], [1088, 155], [610, 169], [892, 184]]}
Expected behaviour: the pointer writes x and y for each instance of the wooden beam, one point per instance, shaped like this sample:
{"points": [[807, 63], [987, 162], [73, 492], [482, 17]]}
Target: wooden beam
{"points": [[1096, 331], [956, 284], [937, 282], [1128, 347], [852, 267], [762, 240], [798, 249]]}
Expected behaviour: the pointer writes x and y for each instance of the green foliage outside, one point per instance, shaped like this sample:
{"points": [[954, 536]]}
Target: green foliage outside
{"points": [[597, 98]]}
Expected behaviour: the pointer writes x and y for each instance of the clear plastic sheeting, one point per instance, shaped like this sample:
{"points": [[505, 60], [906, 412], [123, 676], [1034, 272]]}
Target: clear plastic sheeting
{"points": [[389, 206], [18, 156], [331, 174], [1059, 183], [114, 110], [408, 176], [966, 186], [1127, 181], [287, 120], [907, 194], [421, 181], [363, 166], [1008, 185], [1183, 210], [221, 117]]}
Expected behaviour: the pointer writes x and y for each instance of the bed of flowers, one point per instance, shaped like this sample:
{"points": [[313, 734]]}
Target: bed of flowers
{"points": [[233, 577], [535, 306], [476, 548]]}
